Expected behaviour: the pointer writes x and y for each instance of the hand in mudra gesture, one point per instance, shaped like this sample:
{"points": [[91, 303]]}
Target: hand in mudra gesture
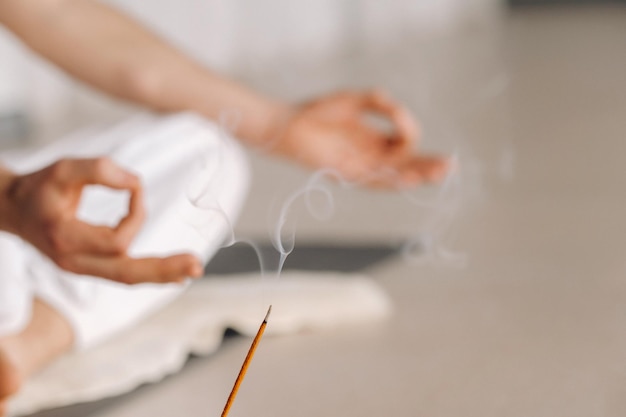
{"points": [[332, 132], [42, 210]]}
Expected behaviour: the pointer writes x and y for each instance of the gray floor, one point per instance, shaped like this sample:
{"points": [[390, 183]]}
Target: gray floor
{"points": [[516, 303]]}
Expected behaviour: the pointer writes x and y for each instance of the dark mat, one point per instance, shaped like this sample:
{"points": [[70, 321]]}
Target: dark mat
{"points": [[242, 258]]}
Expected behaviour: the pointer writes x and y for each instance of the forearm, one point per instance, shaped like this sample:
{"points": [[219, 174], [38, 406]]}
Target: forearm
{"points": [[113, 53]]}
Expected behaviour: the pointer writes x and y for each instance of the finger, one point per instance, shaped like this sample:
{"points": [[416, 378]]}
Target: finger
{"points": [[382, 150], [417, 171], [127, 270], [406, 128], [130, 225], [101, 171], [369, 170], [81, 237], [424, 169]]}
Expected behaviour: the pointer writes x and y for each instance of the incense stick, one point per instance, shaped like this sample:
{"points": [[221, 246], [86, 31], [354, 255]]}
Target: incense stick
{"points": [[246, 363]]}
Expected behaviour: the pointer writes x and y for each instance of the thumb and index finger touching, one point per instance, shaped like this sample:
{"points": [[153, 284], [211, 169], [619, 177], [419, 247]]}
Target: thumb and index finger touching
{"points": [[103, 171], [406, 129], [103, 249], [402, 152]]}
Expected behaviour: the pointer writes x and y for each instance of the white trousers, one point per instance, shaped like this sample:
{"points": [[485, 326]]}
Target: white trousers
{"points": [[195, 180]]}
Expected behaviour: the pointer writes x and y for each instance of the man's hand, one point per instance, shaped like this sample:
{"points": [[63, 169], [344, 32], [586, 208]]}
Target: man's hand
{"points": [[333, 132], [41, 208]]}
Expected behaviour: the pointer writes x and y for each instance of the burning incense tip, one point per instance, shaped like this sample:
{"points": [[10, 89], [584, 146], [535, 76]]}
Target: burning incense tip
{"points": [[246, 363]]}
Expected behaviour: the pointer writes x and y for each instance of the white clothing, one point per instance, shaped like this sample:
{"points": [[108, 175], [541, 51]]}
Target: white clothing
{"points": [[195, 180]]}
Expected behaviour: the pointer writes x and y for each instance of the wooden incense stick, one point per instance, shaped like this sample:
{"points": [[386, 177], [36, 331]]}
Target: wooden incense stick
{"points": [[246, 363]]}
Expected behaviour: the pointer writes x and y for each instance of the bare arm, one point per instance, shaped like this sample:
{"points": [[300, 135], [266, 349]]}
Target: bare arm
{"points": [[108, 50]]}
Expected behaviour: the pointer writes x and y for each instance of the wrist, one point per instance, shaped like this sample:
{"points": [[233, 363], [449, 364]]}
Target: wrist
{"points": [[8, 217], [277, 122]]}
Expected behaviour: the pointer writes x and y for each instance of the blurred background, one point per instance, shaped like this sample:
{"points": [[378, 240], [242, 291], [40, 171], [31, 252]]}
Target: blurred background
{"points": [[522, 311]]}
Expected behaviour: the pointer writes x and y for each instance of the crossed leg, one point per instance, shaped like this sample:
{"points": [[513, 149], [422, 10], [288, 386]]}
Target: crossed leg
{"points": [[46, 337]]}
